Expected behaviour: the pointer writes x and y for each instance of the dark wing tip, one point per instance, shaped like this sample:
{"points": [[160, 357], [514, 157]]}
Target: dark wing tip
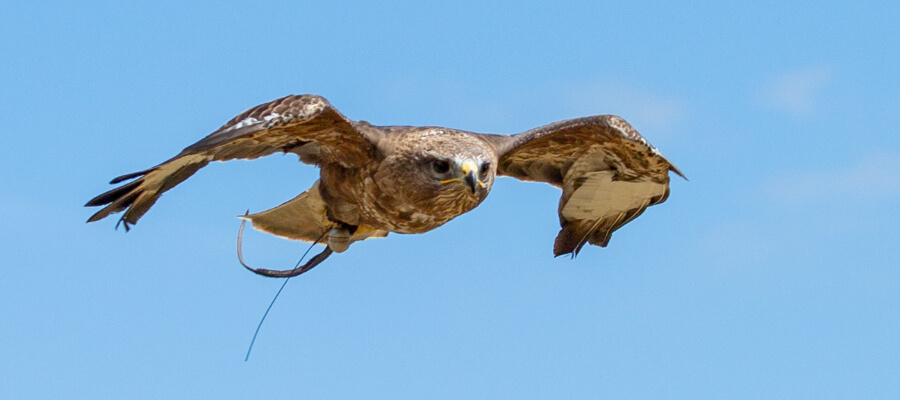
{"points": [[675, 169], [120, 199], [112, 195], [115, 200], [129, 176], [116, 195], [570, 240]]}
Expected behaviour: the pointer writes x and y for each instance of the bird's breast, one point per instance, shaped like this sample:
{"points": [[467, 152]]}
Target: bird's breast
{"points": [[396, 215]]}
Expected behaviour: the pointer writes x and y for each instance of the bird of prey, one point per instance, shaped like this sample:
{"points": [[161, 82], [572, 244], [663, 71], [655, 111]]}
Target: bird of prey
{"points": [[380, 179]]}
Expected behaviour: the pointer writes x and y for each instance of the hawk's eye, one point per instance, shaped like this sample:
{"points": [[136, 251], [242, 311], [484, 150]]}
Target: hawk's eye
{"points": [[441, 166], [485, 168]]}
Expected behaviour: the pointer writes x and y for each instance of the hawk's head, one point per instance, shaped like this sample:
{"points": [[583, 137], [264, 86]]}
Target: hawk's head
{"points": [[441, 172]]}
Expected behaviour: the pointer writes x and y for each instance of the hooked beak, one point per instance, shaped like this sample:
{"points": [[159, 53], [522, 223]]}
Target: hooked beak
{"points": [[469, 169], [468, 175]]}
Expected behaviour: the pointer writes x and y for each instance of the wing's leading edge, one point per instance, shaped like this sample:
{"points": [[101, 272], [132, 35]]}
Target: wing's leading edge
{"points": [[306, 125]]}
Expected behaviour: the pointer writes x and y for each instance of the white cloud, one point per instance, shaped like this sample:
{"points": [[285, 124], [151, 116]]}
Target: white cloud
{"points": [[871, 180], [647, 111], [795, 92]]}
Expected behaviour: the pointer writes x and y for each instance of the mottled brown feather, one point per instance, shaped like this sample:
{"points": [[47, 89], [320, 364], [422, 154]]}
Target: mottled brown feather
{"points": [[591, 144], [307, 125]]}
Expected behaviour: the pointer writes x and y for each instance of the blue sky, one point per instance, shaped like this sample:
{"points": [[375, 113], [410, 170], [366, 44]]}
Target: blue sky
{"points": [[772, 273]]}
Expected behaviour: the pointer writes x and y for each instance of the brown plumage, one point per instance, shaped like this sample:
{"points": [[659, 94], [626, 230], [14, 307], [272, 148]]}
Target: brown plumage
{"points": [[375, 180]]}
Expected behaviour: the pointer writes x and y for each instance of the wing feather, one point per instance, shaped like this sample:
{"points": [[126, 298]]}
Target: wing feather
{"points": [[306, 125], [608, 172]]}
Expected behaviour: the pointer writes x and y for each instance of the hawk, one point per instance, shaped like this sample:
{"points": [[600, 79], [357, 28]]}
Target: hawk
{"points": [[405, 179]]}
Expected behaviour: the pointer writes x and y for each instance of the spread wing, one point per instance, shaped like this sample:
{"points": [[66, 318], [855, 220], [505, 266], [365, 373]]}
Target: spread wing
{"points": [[306, 125], [609, 174]]}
